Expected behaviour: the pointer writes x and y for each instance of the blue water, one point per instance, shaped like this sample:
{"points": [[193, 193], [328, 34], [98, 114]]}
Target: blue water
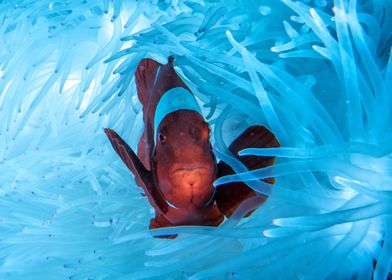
{"points": [[316, 73]]}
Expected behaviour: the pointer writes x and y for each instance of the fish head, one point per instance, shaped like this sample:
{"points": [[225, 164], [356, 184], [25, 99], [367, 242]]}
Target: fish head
{"points": [[184, 163]]}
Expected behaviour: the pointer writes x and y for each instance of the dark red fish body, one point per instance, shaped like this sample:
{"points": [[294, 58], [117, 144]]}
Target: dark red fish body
{"points": [[176, 165]]}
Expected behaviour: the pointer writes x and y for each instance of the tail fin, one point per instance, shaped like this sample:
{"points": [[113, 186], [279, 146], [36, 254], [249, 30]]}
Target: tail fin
{"points": [[146, 74], [230, 196]]}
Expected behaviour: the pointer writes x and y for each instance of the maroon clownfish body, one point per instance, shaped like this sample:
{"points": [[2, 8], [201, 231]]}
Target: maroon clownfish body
{"points": [[176, 165]]}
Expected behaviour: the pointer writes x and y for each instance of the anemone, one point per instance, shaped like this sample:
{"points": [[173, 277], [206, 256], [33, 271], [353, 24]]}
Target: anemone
{"points": [[317, 73]]}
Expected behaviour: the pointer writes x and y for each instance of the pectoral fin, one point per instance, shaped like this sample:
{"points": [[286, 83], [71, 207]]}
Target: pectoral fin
{"points": [[230, 196], [142, 175]]}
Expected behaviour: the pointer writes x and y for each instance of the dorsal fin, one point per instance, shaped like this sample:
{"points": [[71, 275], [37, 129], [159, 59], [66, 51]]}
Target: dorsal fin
{"points": [[146, 75]]}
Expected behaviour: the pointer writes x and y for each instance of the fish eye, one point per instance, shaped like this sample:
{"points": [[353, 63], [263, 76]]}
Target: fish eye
{"points": [[194, 131], [162, 138]]}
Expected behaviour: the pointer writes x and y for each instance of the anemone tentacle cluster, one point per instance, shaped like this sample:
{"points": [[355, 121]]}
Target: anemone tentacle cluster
{"points": [[318, 73]]}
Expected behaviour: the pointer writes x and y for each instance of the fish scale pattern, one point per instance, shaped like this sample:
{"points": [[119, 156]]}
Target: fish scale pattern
{"points": [[317, 73]]}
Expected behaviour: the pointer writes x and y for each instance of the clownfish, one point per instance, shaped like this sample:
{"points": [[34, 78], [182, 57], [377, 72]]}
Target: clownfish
{"points": [[175, 164]]}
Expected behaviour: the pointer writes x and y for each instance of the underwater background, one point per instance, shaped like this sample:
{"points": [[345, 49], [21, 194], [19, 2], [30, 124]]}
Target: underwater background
{"points": [[317, 73]]}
